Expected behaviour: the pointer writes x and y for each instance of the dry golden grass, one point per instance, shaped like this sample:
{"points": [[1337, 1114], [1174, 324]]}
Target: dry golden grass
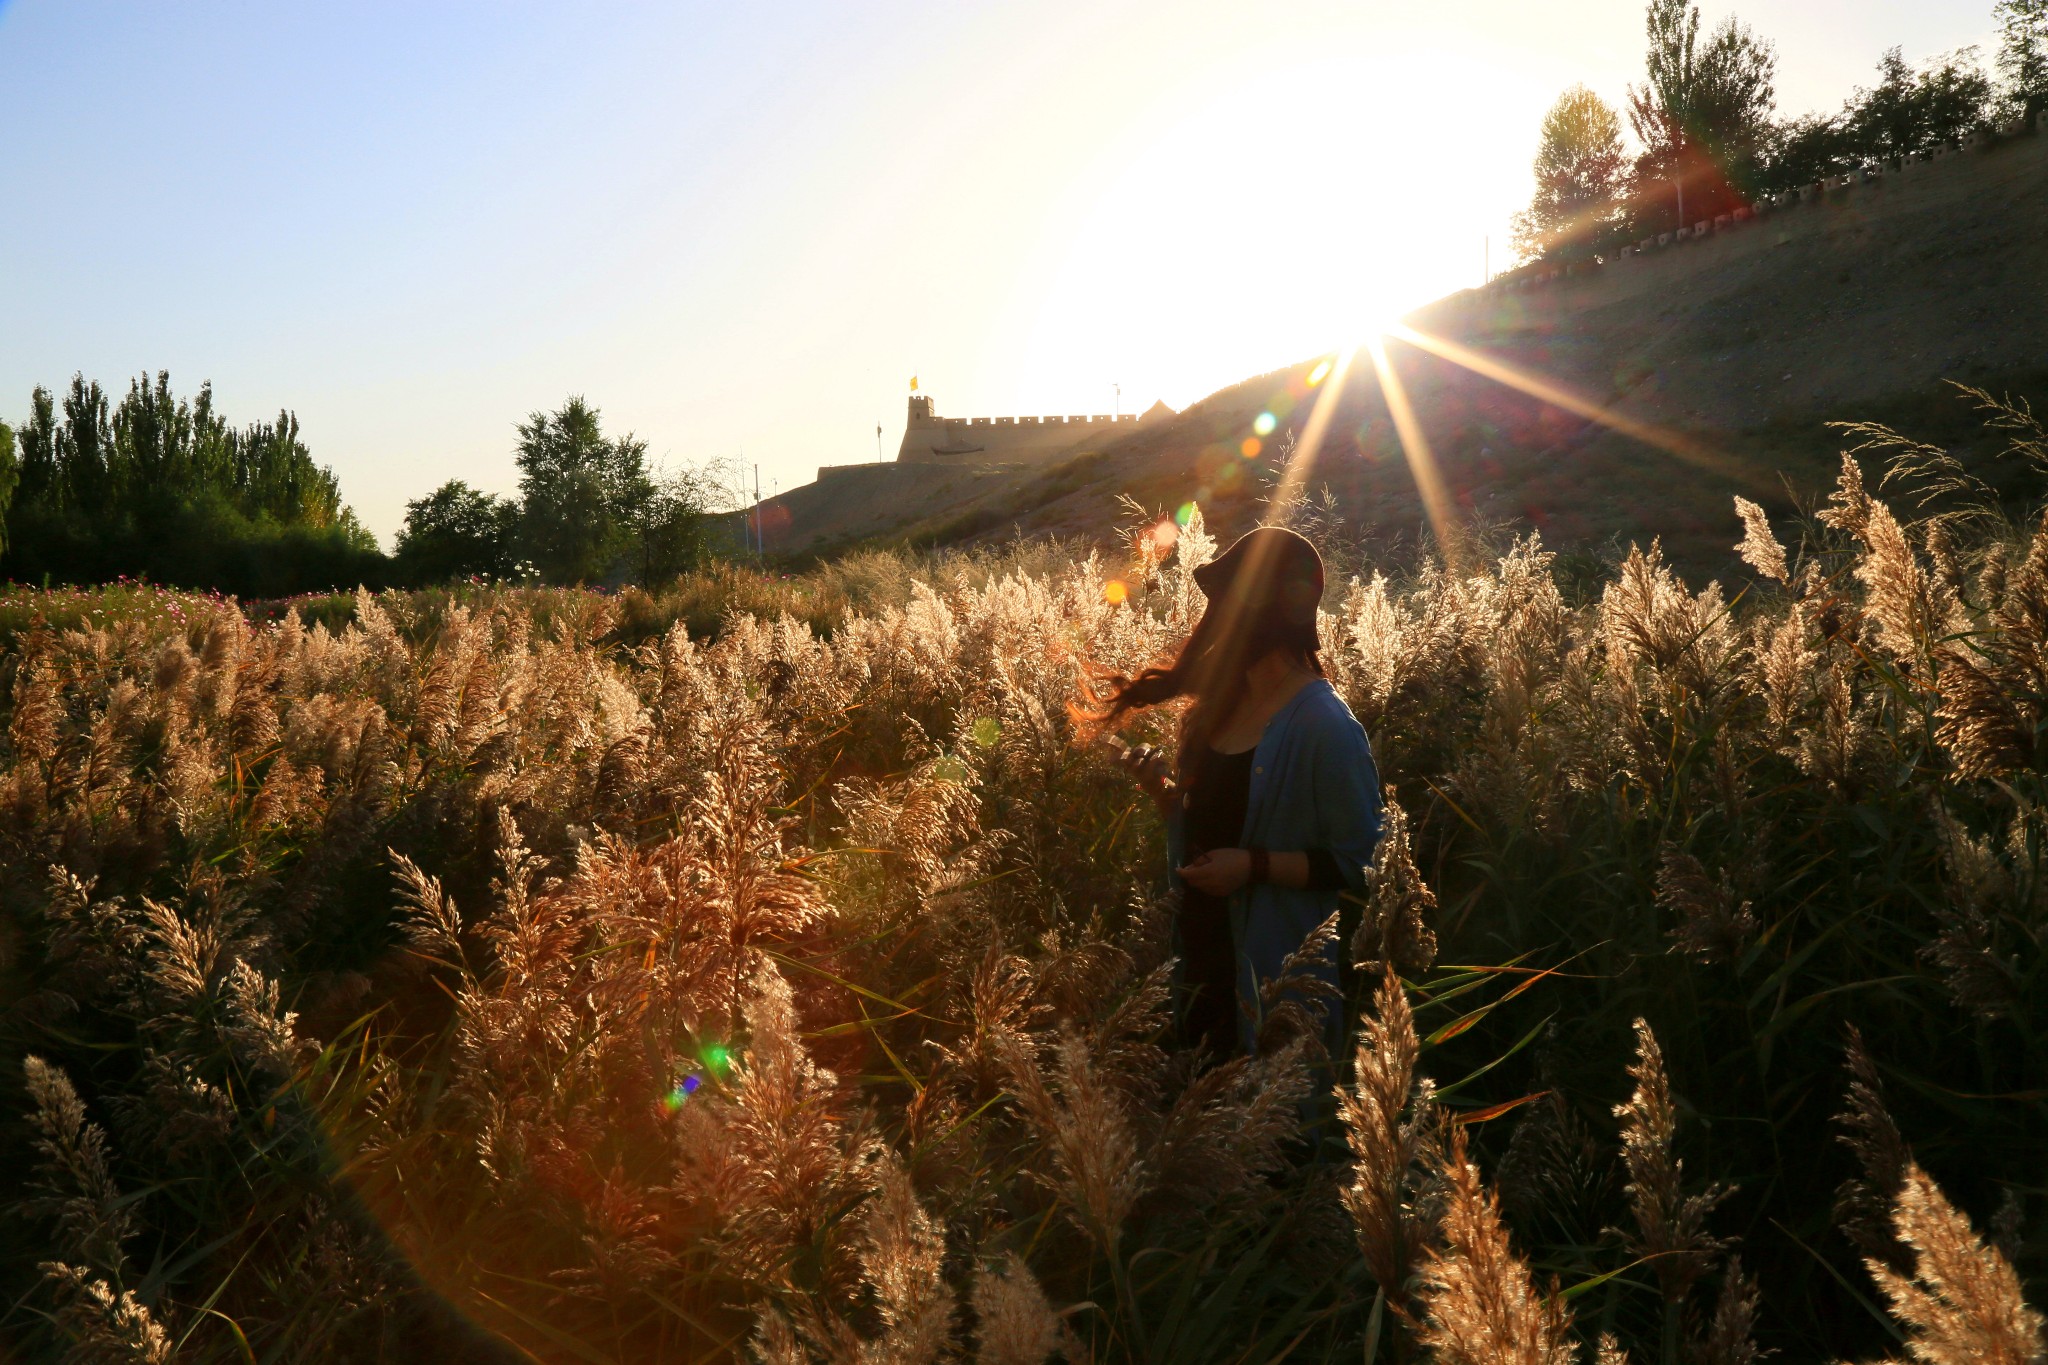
{"points": [[481, 968]]}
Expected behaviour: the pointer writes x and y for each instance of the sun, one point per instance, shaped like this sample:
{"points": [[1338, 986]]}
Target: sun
{"points": [[1247, 222]]}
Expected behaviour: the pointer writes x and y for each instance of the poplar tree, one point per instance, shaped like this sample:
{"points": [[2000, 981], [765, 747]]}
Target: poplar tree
{"points": [[1703, 114]]}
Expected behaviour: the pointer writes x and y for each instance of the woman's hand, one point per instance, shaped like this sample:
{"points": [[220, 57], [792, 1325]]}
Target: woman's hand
{"points": [[1150, 768], [1219, 872]]}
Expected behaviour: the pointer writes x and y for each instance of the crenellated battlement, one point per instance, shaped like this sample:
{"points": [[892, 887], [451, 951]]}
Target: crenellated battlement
{"points": [[931, 439], [1833, 190], [1055, 421]]}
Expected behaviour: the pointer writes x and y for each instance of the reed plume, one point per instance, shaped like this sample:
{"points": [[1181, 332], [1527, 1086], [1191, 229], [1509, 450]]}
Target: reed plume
{"points": [[1225, 1135], [1760, 548], [1710, 926], [1479, 1303], [902, 1257], [1670, 1225], [1729, 1336], [1014, 1325], [1395, 926], [98, 1318], [75, 1187], [1864, 1203], [1962, 1301], [1088, 1134], [1990, 712], [1388, 1121], [103, 1325]]}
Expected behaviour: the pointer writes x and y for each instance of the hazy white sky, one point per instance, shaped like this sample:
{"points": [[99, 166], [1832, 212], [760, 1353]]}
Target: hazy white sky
{"points": [[739, 229]]}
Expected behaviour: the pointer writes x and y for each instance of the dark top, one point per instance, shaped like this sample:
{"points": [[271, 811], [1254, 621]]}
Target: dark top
{"points": [[1217, 795]]}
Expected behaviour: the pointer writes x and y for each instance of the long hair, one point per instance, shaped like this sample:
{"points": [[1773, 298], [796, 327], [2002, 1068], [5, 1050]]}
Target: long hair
{"points": [[1210, 666]]}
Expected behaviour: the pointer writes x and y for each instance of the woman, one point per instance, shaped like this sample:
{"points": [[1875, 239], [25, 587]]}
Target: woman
{"points": [[1273, 807]]}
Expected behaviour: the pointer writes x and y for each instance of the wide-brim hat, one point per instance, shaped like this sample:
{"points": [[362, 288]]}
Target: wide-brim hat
{"points": [[1270, 568]]}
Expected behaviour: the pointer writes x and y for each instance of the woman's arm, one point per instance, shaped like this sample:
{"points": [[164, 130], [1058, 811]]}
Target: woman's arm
{"points": [[1347, 799], [1223, 870]]}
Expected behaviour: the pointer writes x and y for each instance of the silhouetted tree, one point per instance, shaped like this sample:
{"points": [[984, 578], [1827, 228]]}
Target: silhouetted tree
{"points": [[1808, 148], [1703, 115], [10, 475], [457, 532], [583, 495], [1909, 111], [1580, 173], [2022, 56]]}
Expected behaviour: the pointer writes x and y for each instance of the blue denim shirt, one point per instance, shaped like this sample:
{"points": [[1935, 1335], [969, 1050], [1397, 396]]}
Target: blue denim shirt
{"points": [[1314, 785]]}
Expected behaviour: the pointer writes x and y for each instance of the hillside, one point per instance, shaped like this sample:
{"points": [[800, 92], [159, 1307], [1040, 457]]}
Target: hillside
{"points": [[1856, 303]]}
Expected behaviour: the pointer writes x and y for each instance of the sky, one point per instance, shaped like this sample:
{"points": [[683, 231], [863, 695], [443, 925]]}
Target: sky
{"points": [[740, 229]]}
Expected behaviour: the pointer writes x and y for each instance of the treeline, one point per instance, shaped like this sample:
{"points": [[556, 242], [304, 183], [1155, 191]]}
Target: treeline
{"points": [[165, 488], [1707, 138]]}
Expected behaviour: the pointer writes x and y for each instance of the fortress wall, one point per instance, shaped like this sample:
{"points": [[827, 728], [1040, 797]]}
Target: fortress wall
{"points": [[931, 439], [1988, 168]]}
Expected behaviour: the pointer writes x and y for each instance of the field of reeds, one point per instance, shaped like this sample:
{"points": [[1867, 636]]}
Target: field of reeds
{"points": [[778, 970]]}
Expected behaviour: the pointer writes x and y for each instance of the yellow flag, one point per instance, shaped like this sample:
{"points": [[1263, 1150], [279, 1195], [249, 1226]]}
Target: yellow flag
{"points": [[913, 383]]}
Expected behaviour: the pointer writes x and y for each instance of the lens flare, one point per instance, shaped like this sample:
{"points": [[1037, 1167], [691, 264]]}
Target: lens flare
{"points": [[1164, 534], [684, 1088], [1183, 514], [1319, 374], [1297, 469], [1422, 466], [1114, 592], [1264, 423], [1251, 447], [1675, 443]]}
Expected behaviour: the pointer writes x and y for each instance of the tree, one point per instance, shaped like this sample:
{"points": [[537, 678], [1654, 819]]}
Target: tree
{"points": [[10, 475], [1579, 178], [1911, 111], [583, 495], [2022, 56], [1807, 149], [457, 532], [671, 531], [1703, 115]]}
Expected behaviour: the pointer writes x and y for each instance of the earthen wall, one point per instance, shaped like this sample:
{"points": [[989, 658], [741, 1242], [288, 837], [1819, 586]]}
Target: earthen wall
{"points": [[1956, 172]]}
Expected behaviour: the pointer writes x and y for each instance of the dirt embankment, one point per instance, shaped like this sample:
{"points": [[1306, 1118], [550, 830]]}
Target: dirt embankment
{"points": [[1723, 360]]}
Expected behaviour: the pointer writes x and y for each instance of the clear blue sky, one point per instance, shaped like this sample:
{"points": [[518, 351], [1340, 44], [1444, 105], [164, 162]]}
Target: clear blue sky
{"points": [[740, 229]]}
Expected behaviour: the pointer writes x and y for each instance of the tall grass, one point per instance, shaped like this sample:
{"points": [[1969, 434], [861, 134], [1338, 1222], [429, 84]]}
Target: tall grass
{"points": [[770, 968]]}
